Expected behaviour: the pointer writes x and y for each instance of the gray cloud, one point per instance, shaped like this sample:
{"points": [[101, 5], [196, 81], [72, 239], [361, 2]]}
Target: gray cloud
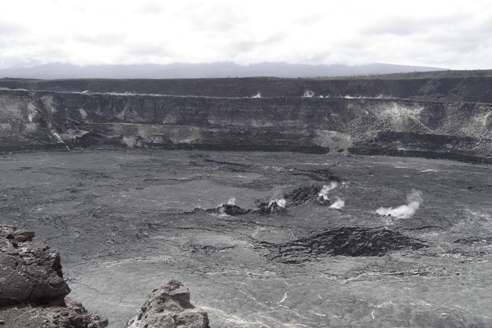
{"points": [[309, 19], [150, 8], [404, 26], [147, 49], [12, 29], [216, 17], [422, 32], [246, 46], [101, 39]]}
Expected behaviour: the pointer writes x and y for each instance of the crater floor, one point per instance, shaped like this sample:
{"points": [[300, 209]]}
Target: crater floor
{"points": [[127, 221]]}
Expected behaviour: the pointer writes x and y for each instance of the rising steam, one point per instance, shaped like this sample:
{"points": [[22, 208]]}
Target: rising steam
{"points": [[414, 200], [231, 201], [323, 194], [308, 94], [258, 95], [279, 202], [338, 204]]}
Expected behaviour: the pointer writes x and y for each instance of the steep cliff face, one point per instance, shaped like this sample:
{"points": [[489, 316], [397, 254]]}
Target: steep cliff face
{"points": [[457, 130]]}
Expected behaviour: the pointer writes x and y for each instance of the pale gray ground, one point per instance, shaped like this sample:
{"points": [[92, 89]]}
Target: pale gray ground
{"points": [[124, 222]]}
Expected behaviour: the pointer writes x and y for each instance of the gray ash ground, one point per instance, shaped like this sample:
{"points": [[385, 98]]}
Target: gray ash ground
{"points": [[127, 221]]}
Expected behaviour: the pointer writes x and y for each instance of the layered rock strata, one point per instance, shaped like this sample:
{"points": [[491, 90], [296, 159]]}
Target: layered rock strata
{"points": [[369, 126]]}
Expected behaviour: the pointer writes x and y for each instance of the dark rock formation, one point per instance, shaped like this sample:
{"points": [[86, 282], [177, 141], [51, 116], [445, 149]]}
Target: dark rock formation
{"points": [[169, 306], [71, 315], [302, 194], [344, 241], [32, 288], [33, 270], [273, 207], [229, 209]]}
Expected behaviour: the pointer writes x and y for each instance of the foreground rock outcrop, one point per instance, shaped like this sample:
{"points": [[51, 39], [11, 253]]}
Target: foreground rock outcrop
{"points": [[169, 306], [32, 289]]}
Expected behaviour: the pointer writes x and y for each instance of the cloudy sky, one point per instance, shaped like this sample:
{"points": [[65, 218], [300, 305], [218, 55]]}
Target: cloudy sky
{"points": [[454, 34]]}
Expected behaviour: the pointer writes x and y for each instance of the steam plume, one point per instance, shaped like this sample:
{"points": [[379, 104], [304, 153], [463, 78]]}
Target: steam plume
{"points": [[323, 194], [280, 202], [308, 94], [231, 201], [414, 200], [338, 204], [258, 95]]}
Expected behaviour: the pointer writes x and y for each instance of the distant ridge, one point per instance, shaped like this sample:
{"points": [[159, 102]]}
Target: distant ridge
{"points": [[207, 70]]}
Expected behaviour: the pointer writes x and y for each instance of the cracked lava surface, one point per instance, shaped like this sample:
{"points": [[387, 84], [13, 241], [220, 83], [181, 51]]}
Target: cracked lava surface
{"points": [[127, 221]]}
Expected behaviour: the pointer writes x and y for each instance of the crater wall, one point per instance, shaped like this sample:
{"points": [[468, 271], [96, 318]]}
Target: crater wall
{"points": [[467, 86], [337, 125]]}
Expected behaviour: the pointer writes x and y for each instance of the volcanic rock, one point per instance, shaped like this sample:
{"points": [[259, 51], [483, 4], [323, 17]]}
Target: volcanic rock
{"points": [[302, 194], [344, 241], [271, 208], [169, 306], [32, 288], [230, 209], [409, 119], [32, 271], [70, 315]]}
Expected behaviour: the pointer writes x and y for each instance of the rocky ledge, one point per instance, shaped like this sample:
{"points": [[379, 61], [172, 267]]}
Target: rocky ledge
{"points": [[32, 289], [169, 306], [33, 292]]}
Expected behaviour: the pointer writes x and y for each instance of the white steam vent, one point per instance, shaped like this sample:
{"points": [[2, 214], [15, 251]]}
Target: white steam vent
{"points": [[308, 94], [280, 202], [258, 95], [323, 194], [414, 200], [338, 204]]}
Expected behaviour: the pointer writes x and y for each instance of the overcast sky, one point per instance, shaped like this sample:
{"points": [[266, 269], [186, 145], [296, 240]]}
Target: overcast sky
{"points": [[454, 34]]}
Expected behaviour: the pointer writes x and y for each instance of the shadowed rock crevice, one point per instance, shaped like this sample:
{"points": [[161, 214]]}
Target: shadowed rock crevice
{"points": [[343, 241]]}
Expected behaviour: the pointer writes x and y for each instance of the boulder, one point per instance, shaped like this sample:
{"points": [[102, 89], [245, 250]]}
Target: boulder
{"points": [[30, 272], [167, 307], [273, 207], [229, 209], [70, 315], [32, 289]]}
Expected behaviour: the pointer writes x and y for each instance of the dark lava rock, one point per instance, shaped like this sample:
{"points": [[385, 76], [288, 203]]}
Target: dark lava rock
{"points": [[205, 250], [271, 208], [343, 241], [32, 288], [229, 209], [169, 306], [303, 194], [71, 315], [31, 271]]}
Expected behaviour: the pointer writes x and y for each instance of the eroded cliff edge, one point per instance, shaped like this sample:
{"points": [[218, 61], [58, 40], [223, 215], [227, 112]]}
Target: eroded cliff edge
{"points": [[361, 125]]}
